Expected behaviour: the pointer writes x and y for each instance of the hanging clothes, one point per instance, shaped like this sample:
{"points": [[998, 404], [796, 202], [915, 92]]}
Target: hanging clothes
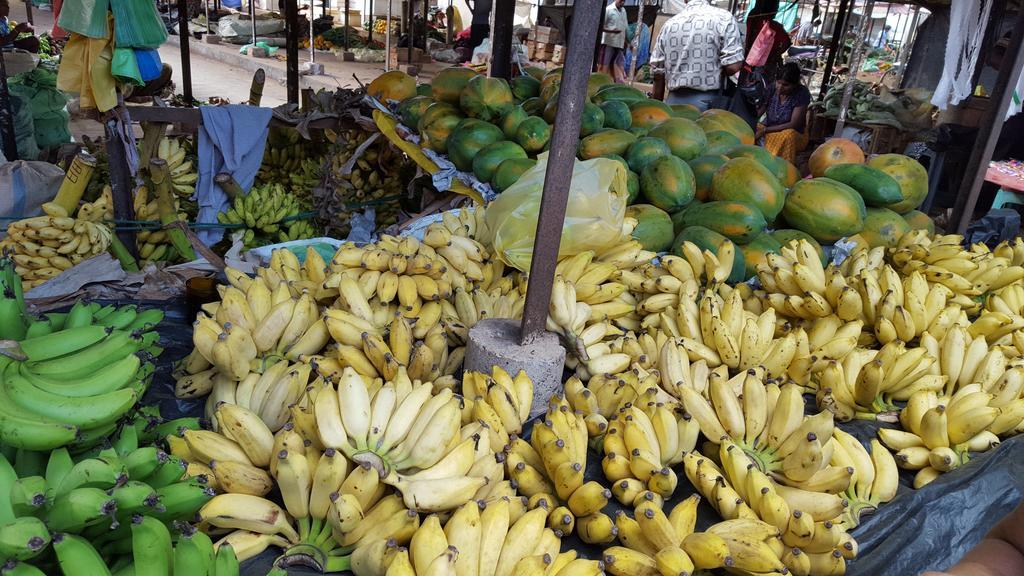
{"points": [[967, 23], [85, 69]]}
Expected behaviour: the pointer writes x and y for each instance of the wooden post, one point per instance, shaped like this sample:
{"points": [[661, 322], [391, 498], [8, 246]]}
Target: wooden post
{"points": [[345, 21], [855, 56], [834, 48], [908, 43], [387, 37], [122, 185], [501, 39], [259, 78], [291, 9], [186, 57], [990, 127]]}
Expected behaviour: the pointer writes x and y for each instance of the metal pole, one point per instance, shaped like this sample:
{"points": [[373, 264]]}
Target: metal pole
{"points": [[387, 38], [252, 19], [121, 184], [501, 39], [571, 97], [345, 23], [28, 11], [449, 16], [990, 127], [410, 31], [312, 37], [907, 44], [855, 56], [636, 43], [186, 57], [10, 141], [833, 50], [206, 10], [291, 16]]}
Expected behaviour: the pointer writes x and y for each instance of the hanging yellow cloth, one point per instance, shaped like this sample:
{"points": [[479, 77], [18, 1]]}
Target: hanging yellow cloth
{"points": [[786, 144], [85, 70]]}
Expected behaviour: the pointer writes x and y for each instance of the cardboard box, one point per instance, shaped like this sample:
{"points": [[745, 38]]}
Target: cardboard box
{"points": [[558, 54], [545, 35], [403, 55]]}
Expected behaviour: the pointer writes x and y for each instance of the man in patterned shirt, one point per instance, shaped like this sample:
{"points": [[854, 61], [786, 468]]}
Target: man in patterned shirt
{"points": [[693, 49]]}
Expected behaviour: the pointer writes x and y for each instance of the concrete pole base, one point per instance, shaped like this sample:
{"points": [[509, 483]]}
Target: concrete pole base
{"points": [[495, 342]]}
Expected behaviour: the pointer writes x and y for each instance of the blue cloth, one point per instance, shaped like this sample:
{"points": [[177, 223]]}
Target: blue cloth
{"points": [[149, 63], [231, 139]]}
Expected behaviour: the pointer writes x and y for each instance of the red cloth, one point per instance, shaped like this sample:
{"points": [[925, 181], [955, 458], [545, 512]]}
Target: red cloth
{"points": [[57, 31], [781, 42]]}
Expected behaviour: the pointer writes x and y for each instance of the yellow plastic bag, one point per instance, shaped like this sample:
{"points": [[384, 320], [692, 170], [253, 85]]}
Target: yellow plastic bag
{"points": [[593, 216]]}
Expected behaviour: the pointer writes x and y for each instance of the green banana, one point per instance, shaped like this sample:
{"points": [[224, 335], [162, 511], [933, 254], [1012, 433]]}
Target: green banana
{"points": [[62, 342], [142, 462], [226, 563], [134, 497], [12, 320], [88, 412], [85, 361], [77, 556], [23, 539], [102, 312], [39, 326], [30, 463], [79, 315], [79, 509], [151, 547], [127, 441], [120, 319], [110, 378], [182, 500], [193, 554], [146, 320], [145, 422], [58, 466], [20, 569], [8, 476], [28, 496], [175, 426], [172, 470], [24, 430], [92, 473], [91, 437]]}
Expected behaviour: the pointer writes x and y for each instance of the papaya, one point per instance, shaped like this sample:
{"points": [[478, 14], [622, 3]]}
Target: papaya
{"points": [[550, 111], [486, 98], [745, 180], [513, 117], [448, 84], [756, 252], [596, 81], [508, 172], [424, 90], [394, 85], [707, 239], [617, 92], [824, 208], [654, 227], [436, 125], [550, 82], [688, 111], [638, 131], [632, 187], [468, 138], [786, 235], [604, 143], [834, 151], [490, 157], [648, 113], [618, 159], [883, 227], [757, 153], [684, 137], [591, 120], [644, 151], [616, 115], [720, 142], [533, 134], [792, 173], [667, 182], [536, 72], [876, 187], [715, 119], [524, 87], [909, 174], [735, 220], [919, 221], [533, 106], [411, 109], [704, 168]]}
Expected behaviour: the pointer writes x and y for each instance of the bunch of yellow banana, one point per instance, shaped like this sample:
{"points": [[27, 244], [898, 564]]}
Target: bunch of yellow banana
{"points": [[939, 432], [867, 382], [874, 477], [44, 246], [499, 400], [269, 393], [796, 283], [97, 211], [964, 357], [767, 422], [181, 168], [549, 470], [966, 272], [153, 245], [642, 444], [567, 317], [605, 395]]}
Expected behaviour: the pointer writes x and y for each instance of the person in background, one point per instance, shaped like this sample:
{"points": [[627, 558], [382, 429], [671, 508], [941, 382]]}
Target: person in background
{"points": [[520, 56], [613, 41], [9, 34], [884, 37], [785, 113], [1000, 552], [763, 12], [692, 51]]}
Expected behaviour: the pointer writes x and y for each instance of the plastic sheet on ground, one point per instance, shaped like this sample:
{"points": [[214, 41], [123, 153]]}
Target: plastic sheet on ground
{"points": [[927, 529]]}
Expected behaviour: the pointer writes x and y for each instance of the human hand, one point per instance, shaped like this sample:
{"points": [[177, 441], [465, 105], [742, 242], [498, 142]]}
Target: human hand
{"points": [[761, 131], [23, 27]]}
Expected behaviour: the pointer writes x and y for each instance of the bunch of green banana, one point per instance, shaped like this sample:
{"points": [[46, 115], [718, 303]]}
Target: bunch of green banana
{"points": [[642, 444], [303, 180], [153, 245], [13, 315], [283, 155], [939, 433], [44, 246], [180, 166], [767, 422], [267, 215], [73, 384]]}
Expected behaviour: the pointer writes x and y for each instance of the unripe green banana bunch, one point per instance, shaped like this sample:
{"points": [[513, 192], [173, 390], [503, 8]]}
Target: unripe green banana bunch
{"points": [[263, 213], [45, 246], [180, 167]]}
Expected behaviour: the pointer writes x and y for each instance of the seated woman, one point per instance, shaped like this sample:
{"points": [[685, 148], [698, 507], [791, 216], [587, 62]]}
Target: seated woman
{"points": [[9, 35], [785, 112]]}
